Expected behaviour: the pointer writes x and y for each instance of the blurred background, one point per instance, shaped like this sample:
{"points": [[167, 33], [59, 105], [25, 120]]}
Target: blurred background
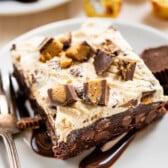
{"points": [[17, 18]]}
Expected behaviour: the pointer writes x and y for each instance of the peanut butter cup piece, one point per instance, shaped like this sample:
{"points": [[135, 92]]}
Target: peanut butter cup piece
{"points": [[147, 96], [156, 59], [102, 61], [65, 61], [49, 48], [126, 69], [66, 40], [80, 52], [111, 48], [62, 95], [96, 92]]}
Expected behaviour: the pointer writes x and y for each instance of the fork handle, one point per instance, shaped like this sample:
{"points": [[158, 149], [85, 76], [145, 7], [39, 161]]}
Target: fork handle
{"points": [[11, 149]]}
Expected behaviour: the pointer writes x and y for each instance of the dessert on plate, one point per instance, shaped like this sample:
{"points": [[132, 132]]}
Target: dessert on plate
{"points": [[87, 85]]}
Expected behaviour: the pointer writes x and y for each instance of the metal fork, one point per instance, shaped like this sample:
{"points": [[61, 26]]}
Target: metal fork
{"points": [[8, 125]]}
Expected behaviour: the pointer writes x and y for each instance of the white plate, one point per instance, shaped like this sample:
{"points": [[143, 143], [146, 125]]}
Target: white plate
{"points": [[149, 148], [12, 7]]}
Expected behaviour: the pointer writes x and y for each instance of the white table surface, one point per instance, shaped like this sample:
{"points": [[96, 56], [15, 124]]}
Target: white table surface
{"points": [[132, 10]]}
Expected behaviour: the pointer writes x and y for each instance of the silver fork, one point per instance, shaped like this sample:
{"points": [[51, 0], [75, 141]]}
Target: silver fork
{"points": [[8, 126]]}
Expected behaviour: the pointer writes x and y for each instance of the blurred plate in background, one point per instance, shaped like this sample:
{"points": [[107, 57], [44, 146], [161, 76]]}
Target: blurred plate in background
{"points": [[12, 7]]}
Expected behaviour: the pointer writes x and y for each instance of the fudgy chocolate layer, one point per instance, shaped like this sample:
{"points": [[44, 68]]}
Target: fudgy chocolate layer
{"points": [[100, 131]]}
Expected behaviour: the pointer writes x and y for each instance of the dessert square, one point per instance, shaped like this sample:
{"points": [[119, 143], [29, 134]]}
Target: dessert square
{"points": [[88, 86]]}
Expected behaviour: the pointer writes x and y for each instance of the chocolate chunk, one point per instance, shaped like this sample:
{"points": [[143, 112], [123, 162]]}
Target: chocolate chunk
{"points": [[96, 92], [130, 103], [66, 40], [88, 135], [102, 61], [100, 136], [126, 69], [126, 121], [163, 108], [139, 118], [147, 96], [80, 52], [62, 95], [151, 116], [49, 48]]}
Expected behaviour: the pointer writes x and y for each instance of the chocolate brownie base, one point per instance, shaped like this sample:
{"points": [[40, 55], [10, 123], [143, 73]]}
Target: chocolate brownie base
{"points": [[100, 131]]}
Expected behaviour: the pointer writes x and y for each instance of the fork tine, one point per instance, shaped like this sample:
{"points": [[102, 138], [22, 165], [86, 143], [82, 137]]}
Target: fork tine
{"points": [[17, 102], [4, 108], [1, 84], [12, 96]]}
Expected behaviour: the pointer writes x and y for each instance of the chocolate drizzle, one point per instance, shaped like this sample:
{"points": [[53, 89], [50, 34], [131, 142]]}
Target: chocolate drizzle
{"points": [[41, 142], [99, 159]]}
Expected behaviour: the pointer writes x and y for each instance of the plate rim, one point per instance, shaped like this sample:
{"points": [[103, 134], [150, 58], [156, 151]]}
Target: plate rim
{"points": [[74, 21]]}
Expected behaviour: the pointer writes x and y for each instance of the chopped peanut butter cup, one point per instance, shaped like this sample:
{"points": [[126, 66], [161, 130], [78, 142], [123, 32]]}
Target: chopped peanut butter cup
{"points": [[130, 103], [96, 92], [66, 40], [49, 48], [147, 96], [126, 69], [102, 61], [80, 52], [62, 95]]}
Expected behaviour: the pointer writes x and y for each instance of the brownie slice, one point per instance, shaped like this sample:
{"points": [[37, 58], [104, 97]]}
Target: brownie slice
{"points": [[88, 86]]}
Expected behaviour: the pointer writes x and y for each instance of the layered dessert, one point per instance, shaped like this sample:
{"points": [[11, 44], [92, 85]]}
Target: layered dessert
{"points": [[87, 85]]}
